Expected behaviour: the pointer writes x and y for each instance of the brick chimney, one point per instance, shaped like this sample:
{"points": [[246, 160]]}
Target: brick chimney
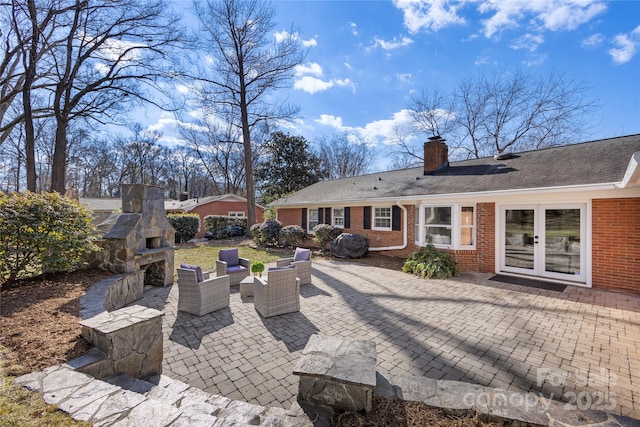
{"points": [[436, 155], [184, 196]]}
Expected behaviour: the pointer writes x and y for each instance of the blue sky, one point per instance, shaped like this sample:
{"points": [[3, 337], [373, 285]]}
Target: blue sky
{"points": [[366, 59]]}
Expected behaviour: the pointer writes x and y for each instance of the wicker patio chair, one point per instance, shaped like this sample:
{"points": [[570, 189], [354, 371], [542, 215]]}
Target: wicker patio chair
{"points": [[279, 294], [201, 297], [301, 260], [230, 263]]}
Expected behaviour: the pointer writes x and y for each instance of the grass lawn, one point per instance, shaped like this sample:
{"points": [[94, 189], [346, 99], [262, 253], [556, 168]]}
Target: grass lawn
{"points": [[206, 254]]}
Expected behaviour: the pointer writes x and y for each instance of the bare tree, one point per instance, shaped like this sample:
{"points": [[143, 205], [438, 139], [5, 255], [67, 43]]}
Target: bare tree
{"points": [[505, 110], [219, 152], [248, 68], [343, 157], [502, 110], [107, 55]]}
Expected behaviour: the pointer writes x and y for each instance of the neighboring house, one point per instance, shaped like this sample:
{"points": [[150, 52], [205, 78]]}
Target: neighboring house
{"points": [[227, 204], [569, 214]]}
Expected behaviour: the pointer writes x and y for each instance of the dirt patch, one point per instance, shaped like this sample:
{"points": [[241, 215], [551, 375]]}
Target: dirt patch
{"points": [[39, 320]]}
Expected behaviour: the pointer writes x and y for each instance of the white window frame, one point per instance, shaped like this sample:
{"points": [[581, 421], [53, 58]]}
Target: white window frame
{"points": [[374, 217], [456, 225], [309, 226], [334, 217], [236, 214]]}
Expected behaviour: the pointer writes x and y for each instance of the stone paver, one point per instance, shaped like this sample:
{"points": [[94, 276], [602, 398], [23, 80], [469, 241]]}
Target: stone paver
{"points": [[580, 346]]}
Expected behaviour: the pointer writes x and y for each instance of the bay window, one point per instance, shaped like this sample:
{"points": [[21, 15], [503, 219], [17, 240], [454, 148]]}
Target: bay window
{"points": [[451, 226]]}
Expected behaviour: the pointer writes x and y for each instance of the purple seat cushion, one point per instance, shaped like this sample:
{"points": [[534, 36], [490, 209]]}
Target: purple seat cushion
{"points": [[230, 256], [235, 268], [302, 255], [197, 269]]}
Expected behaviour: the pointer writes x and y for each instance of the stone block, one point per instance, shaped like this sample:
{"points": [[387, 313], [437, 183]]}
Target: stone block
{"points": [[131, 338], [337, 372]]}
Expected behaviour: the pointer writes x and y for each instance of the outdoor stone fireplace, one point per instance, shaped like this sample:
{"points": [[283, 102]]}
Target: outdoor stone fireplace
{"points": [[139, 239]]}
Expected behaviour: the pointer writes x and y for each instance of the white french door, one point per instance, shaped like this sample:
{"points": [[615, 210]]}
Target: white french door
{"points": [[544, 240]]}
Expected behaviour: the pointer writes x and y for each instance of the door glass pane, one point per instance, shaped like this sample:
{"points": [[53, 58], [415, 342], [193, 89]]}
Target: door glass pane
{"points": [[519, 238], [562, 241]]}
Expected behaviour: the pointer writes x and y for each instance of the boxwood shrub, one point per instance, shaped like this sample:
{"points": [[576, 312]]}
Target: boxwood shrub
{"points": [[430, 263], [186, 226]]}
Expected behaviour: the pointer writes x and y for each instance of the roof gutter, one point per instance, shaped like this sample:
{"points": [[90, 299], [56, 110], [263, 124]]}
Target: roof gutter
{"points": [[632, 175], [406, 231]]}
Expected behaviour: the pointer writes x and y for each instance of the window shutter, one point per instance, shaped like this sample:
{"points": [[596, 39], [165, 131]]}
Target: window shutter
{"points": [[304, 219], [367, 218], [320, 220], [396, 222], [347, 217], [327, 216]]}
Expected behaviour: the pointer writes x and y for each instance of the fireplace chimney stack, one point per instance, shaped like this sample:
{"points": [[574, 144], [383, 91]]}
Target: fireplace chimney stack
{"points": [[436, 155]]}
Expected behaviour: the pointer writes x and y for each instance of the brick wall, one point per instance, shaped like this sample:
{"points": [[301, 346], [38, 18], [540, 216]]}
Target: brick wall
{"points": [[616, 244], [377, 238], [486, 237]]}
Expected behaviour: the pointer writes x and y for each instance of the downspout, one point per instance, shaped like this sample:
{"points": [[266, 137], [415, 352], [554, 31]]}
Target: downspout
{"points": [[406, 231]]}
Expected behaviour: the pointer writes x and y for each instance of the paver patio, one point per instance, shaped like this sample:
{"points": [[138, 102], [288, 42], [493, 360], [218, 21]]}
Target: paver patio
{"points": [[586, 343]]}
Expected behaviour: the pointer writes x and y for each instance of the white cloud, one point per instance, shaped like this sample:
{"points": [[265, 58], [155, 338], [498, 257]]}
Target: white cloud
{"points": [[354, 28], [430, 15], [626, 46], [346, 64], [310, 43], [284, 35], [312, 85], [393, 44], [379, 131], [529, 42], [554, 15], [329, 120], [313, 68], [592, 41], [404, 77]]}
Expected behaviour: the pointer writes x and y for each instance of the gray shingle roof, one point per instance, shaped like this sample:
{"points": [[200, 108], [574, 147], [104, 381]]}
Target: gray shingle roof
{"points": [[597, 162]]}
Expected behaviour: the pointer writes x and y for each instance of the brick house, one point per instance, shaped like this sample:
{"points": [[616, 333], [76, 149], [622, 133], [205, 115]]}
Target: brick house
{"points": [[569, 214], [226, 204]]}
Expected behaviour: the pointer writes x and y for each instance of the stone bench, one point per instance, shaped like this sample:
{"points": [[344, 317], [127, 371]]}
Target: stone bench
{"points": [[131, 339], [337, 372]]}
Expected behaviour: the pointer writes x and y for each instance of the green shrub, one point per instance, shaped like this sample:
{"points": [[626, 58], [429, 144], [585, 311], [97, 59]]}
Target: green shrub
{"points": [[292, 235], [323, 234], [257, 267], [186, 226], [430, 263], [42, 233], [223, 226], [270, 230], [256, 234]]}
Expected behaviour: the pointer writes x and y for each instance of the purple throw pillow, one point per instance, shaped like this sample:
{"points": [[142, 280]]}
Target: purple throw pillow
{"points": [[302, 255], [197, 269]]}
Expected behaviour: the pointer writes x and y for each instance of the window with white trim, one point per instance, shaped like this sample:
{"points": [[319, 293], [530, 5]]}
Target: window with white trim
{"points": [[312, 219], [338, 217], [437, 222], [451, 226], [237, 214], [382, 218]]}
